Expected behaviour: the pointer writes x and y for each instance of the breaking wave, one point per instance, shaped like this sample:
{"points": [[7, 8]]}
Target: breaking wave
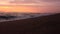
{"points": [[19, 16]]}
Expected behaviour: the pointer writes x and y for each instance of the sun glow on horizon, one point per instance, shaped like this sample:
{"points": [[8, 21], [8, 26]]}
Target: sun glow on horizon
{"points": [[8, 6], [18, 9], [33, 6]]}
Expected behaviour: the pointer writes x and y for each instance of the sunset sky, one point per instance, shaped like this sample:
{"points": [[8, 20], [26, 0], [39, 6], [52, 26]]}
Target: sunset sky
{"points": [[34, 6]]}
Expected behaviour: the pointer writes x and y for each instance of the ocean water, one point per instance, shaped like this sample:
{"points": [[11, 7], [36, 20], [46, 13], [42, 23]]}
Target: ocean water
{"points": [[19, 16]]}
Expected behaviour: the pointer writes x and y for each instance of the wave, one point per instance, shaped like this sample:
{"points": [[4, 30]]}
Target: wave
{"points": [[12, 17]]}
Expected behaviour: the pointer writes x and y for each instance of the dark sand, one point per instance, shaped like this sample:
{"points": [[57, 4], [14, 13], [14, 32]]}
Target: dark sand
{"points": [[39, 25]]}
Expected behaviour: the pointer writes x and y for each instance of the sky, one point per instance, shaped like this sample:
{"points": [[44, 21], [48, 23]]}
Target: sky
{"points": [[34, 6]]}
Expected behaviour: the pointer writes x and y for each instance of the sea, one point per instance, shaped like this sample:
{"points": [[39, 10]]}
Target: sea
{"points": [[19, 16]]}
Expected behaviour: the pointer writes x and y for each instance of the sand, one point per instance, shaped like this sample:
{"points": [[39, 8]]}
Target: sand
{"points": [[40, 25]]}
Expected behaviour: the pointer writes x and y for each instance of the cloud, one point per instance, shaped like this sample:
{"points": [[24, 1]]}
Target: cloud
{"points": [[51, 0], [40, 2]]}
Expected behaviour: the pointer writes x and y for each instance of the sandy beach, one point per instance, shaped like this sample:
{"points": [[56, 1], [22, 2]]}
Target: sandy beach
{"points": [[39, 25]]}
